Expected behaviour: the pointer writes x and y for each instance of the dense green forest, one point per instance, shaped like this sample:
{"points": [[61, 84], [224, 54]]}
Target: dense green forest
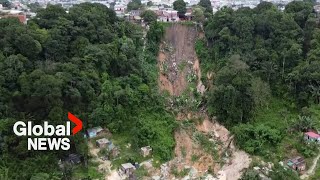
{"points": [[88, 62], [264, 74], [261, 67]]}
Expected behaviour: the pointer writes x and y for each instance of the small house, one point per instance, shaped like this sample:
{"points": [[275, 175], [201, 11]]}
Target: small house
{"points": [[101, 143], [145, 151], [94, 132], [127, 169], [135, 13], [119, 10], [312, 137], [297, 164], [168, 15]]}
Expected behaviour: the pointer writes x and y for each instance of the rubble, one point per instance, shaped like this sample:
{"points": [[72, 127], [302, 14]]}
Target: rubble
{"points": [[164, 170], [193, 172]]}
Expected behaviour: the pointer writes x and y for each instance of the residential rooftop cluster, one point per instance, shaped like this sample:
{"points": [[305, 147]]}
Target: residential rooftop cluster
{"points": [[163, 8]]}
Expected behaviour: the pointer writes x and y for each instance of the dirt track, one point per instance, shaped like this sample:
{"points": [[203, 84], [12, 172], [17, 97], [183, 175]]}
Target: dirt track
{"points": [[311, 170]]}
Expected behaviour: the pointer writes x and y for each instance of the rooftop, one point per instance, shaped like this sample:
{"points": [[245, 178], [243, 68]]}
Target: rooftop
{"points": [[297, 161], [312, 134], [127, 166], [95, 129]]}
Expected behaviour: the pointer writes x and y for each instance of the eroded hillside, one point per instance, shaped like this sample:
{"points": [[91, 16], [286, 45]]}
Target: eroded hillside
{"points": [[203, 147]]}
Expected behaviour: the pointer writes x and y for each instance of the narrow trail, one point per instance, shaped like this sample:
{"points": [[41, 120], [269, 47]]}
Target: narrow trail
{"points": [[311, 170], [178, 63]]}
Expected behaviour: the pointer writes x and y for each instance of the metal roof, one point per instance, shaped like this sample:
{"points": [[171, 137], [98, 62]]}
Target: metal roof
{"points": [[127, 166]]}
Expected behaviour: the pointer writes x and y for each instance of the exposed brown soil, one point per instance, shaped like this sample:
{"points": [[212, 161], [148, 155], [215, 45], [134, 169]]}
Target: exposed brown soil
{"points": [[176, 60], [219, 131], [175, 57], [186, 148]]}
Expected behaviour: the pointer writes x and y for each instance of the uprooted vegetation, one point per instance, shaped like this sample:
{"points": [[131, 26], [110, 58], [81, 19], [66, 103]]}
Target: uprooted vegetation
{"points": [[201, 145]]}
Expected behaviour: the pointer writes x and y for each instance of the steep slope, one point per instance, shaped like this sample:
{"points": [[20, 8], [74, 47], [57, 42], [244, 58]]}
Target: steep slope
{"points": [[180, 76], [177, 59]]}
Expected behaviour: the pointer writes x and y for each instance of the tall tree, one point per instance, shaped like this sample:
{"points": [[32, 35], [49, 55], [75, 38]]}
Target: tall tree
{"points": [[198, 14], [134, 5], [149, 16], [231, 99], [206, 4], [180, 6]]}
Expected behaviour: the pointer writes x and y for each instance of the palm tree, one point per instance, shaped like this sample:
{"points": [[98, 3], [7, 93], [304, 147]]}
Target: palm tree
{"points": [[304, 123]]}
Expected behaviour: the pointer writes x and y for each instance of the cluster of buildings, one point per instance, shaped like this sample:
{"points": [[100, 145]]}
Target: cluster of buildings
{"points": [[125, 170], [164, 14], [22, 16], [17, 10], [121, 5], [163, 8], [298, 163]]}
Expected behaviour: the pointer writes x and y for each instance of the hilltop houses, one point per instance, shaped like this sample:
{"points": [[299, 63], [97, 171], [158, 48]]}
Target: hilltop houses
{"points": [[169, 15], [165, 14], [20, 15], [120, 9]]}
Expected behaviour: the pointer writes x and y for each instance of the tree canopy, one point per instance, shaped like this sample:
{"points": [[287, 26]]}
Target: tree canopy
{"points": [[262, 72], [206, 4], [180, 6], [88, 62], [149, 16], [134, 5]]}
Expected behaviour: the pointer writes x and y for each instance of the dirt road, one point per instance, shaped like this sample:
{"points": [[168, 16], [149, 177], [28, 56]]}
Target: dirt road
{"points": [[311, 170]]}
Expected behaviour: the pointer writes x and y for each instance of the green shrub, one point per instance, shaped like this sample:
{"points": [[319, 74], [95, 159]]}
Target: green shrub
{"points": [[250, 175], [256, 139]]}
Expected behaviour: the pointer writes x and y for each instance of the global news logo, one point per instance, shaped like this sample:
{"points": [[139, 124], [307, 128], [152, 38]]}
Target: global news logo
{"points": [[60, 133]]}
